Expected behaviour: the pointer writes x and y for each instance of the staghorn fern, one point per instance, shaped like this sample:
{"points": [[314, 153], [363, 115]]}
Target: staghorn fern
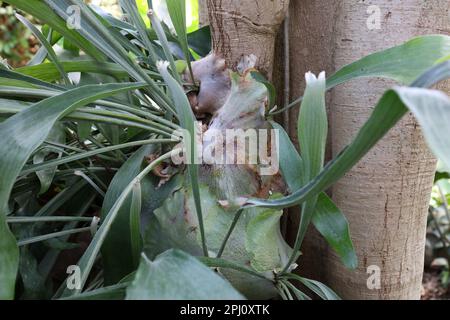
{"points": [[116, 118]]}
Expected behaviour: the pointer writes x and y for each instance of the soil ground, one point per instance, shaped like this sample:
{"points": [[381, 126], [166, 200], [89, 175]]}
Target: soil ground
{"points": [[432, 288]]}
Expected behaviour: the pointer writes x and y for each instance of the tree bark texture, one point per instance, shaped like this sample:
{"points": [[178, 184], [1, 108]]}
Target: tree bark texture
{"points": [[246, 27], [386, 196]]}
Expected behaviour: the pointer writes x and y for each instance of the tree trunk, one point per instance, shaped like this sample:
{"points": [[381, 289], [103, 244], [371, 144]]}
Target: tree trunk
{"points": [[392, 185], [311, 38], [385, 197], [246, 27]]}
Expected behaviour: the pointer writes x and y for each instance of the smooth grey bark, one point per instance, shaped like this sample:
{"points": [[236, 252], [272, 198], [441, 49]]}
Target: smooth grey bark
{"points": [[386, 196]]}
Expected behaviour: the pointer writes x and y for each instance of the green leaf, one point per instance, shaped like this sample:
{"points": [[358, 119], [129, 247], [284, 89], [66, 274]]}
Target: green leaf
{"points": [[48, 71], [200, 41], [298, 294], [88, 259], [78, 205], [41, 54], [175, 275], [156, 24], [9, 260], [327, 218], [313, 126], [187, 121], [227, 264], [312, 135], [87, 154], [58, 234], [22, 135], [177, 12], [176, 226], [93, 29], [173, 226], [29, 80], [333, 226], [133, 13], [84, 130], [117, 250], [291, 164], [317, 287], [57, 134], [432, 110], [135, 222], [403, 63], [51, 53], [272, 93], [181, 66], [115, 292], [262, 241], [33, 282]]}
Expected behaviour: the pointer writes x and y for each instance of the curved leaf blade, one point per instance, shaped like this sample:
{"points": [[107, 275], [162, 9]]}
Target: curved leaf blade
{"points": [[187, 120], [312, 135], [51, 53], [177, 12], [117, 248], [403, 63], [175, 275], [432, 110], [48, 71], [327, 218], [333, 226]]}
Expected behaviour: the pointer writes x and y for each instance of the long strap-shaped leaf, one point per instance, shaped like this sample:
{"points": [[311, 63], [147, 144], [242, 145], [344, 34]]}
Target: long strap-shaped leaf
{"points": [[29, 79], [187, 121], [403, 63], [51, 53], [25, 131], [93, 29], [9, 260], [88, 259], [391, 108], [48, 71], [21, 135], [312, 136], [156, 24], [133, 13], [177, 12], [176, 275], [116, 252], [327, 218]]}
